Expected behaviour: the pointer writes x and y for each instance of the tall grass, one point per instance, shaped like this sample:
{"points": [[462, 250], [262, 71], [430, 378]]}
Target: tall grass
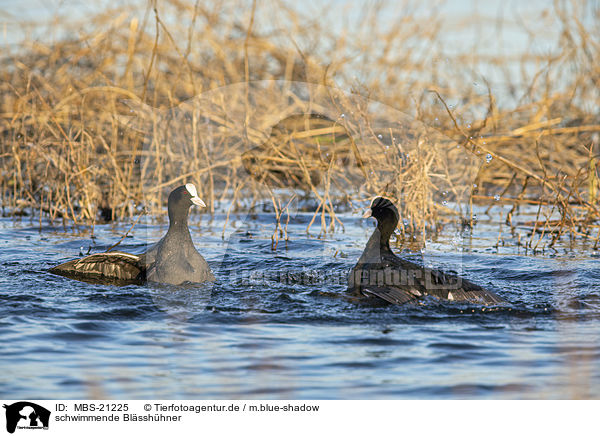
{"points": [[413, 121]]}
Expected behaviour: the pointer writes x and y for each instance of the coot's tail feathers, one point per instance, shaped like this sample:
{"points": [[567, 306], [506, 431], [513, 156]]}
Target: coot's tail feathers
{"points": [[112, 265]]}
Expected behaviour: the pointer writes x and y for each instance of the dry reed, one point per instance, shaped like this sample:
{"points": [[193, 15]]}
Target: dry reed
{"points": [[258, 108]]}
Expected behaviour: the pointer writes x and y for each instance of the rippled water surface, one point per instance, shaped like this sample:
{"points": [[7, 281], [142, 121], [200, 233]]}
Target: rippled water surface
{"points": [[278, 325]]}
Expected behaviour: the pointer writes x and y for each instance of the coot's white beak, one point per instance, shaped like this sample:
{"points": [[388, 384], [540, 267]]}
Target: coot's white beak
{"points": [[367, 213], [191, 188], [198, 202]]}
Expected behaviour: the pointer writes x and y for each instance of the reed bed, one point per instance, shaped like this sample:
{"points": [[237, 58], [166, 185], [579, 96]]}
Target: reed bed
{"points": [[270, 103]]}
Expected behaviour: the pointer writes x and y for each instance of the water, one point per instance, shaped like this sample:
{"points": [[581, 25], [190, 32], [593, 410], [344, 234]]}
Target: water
{"points": [[255, 336]]}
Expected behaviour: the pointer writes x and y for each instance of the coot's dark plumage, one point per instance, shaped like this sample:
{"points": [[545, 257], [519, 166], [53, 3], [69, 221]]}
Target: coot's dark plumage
{"points": [[173, 259], [380, 274]]}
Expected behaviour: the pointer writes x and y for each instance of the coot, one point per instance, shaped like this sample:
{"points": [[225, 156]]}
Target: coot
{"points": [[381, 275], [173, 259]]}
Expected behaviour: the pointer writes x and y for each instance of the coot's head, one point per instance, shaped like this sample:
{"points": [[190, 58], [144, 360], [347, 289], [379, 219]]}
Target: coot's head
{"points": [[180, 200], [384, 211], [185, 196]]}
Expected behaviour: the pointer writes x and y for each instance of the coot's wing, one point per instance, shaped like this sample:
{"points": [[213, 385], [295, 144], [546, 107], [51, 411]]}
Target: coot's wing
{"points": [[111, 265], [392, 283], [390, 294], [452, 287], [439, 284]]}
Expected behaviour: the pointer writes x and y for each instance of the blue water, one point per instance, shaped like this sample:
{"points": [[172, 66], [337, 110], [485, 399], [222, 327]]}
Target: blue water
{"points": [[256, 335]]}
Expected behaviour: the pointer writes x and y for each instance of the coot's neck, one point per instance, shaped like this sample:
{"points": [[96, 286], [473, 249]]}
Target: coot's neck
{"points": [[381, 236], [178, 219]]}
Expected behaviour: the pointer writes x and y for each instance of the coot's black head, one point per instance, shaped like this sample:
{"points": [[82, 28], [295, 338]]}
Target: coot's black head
{"points": [[180, 200], [386, 214]]}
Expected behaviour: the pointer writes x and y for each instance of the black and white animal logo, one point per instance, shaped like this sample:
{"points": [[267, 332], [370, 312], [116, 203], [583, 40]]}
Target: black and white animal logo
{"points": [[26, 415]]}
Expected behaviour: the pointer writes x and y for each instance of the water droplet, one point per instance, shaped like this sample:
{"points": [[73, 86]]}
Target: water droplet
{"points": [[380, 136], [469, 126], [474, 185], [444, 202], [496, 197], [343, 115], [488, 158]]}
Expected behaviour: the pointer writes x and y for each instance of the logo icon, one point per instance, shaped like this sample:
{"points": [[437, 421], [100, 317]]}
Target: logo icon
{"points": [[26, 415]]}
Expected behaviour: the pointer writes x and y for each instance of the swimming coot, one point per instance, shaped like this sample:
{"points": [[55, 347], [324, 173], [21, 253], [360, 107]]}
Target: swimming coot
{"points": [[173, 259], [381, 275]]}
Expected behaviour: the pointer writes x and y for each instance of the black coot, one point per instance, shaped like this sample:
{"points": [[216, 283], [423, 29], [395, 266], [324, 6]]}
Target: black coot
{"points": [[380, 274], [173, 259]]}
